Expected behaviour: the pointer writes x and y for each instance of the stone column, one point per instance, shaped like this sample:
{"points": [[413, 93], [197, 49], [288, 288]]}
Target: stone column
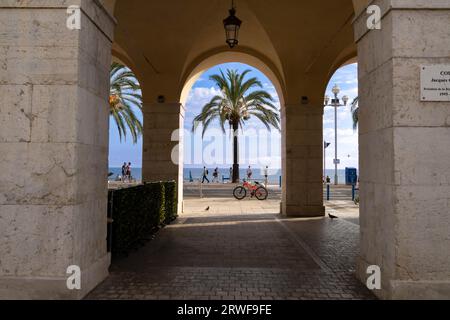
{"points": [[54, 85], [163, 144], [302, 163], [404, 151]]}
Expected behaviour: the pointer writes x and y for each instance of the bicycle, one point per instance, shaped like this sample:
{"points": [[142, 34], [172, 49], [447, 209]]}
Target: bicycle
{"points": [[256, 190]]}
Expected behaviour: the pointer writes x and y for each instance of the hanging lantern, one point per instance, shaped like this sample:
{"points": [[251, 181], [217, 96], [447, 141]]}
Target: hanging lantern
{"points": [[232, 25]]}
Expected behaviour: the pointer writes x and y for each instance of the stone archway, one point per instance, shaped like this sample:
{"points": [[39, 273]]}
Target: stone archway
{"points": [[50, 154], [381, 67], [209, 60], [254, 59], [54, 150]]}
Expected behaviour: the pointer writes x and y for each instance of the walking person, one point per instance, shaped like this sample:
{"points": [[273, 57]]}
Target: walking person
{"points": [[124, 172], [249, 173], [129, 172], [266, 175], [216, 176], [231, 174], [205, 175]]}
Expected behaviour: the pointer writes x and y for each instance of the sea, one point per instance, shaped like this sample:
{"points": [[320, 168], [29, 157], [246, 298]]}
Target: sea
{"points": [[196, 174]]}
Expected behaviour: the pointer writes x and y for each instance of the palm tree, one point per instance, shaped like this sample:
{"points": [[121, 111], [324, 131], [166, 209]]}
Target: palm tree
{"points": [[355, 113], [125, 93], [239, 100]]}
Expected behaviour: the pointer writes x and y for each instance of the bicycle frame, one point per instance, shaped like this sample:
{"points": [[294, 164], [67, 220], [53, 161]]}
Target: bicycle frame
{"points": [[253, 190], [250, 187]]}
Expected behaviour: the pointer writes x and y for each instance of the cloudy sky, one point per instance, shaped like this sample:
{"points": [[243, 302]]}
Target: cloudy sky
{"points": [[258, 147], [347, 79]]}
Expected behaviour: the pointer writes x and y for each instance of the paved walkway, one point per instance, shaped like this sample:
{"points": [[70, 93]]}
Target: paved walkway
{"points": [[249, 253], [220, 190], [343, 209]]}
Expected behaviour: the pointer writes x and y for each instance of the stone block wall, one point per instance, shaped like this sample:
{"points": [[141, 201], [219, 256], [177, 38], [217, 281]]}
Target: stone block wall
{"points": [[303, 161], [54, 120], [163, 144], [404, 151]]}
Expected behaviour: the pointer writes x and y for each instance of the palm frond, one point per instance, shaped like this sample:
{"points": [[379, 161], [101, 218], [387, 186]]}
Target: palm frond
{"points": [[125, 94], [240, 98]]}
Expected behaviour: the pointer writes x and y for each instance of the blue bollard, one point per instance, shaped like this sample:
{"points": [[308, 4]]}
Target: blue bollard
{"points": [[280, 182], [353, 192], [328, 192]]}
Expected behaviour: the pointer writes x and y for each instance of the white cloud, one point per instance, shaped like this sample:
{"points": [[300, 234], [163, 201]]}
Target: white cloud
{"points": [[347, 147], [198, 97], [345, 77]]}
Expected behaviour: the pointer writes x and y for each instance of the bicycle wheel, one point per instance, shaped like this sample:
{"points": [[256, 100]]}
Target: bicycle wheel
{"points": [[261, 193], [239, 193]]}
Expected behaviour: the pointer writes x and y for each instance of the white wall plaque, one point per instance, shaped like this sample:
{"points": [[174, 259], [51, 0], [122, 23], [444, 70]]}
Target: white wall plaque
{"points": [[435, 83]]}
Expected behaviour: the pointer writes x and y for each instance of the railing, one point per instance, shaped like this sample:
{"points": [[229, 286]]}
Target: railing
{"points": [[341, 192]]}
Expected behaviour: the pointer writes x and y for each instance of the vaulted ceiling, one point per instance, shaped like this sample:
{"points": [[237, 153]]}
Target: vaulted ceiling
{"points": [[302, 42]]}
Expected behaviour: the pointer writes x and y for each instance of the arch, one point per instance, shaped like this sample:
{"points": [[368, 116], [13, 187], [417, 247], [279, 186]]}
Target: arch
{"points": [[347, 56], [109, 5], [254, 59], [360, 5], [119, 55]]}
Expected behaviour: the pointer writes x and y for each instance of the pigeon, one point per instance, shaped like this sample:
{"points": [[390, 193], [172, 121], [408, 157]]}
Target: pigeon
{"points": [[207, 209], [332, 217]]}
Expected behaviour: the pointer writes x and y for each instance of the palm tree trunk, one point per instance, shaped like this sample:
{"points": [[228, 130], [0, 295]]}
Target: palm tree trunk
{"points": [[236, 152]]}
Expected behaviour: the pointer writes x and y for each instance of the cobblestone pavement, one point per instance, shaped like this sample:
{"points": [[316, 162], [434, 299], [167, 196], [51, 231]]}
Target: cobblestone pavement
{"points": [[226, 256], [344, 209]]}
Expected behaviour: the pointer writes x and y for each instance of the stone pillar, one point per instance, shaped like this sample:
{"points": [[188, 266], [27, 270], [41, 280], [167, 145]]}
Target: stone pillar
{"points": [[404, 151], [54, 85], [302, 163], [163, 144]]}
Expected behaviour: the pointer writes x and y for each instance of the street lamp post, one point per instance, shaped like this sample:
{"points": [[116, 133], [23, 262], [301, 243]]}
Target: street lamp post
{"points": [[325, 146], [336, 103]]}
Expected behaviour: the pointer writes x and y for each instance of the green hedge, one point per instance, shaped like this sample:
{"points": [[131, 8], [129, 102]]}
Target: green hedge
{"points": [[171, 201], [138, 212]]}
